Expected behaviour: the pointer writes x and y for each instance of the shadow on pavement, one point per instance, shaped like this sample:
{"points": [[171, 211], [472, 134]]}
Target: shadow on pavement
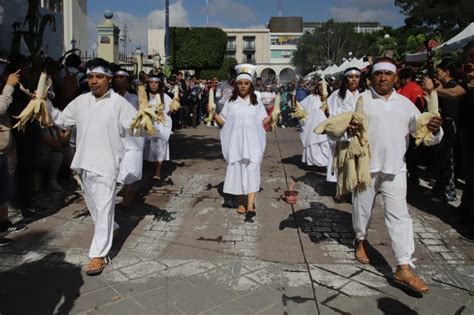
{"points": [[392, 306], [318, 182], [331, 225], [192, 147], [129, 217], [322, 224], [420, 198], [229, 201], [46, 286]]}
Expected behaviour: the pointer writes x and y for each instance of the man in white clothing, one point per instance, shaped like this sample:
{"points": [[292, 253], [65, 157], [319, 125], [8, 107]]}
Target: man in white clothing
{"points": [[101, 118], [392, 118]]}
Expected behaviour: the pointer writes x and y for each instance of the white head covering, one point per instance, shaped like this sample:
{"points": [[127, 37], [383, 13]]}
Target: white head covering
{"points": [[245, 71]]}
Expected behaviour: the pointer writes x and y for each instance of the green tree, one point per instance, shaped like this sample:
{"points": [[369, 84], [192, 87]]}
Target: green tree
{"points": [[197, 48], [446, 17], [330, 43], [415, 43], [227, 67]]}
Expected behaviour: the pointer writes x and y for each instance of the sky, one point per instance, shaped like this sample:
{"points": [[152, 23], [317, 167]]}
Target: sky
{"points": [[140, 15]]}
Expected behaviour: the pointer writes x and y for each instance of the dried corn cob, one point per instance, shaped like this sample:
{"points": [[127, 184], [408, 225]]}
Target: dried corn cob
{"points": [[37, 107]]}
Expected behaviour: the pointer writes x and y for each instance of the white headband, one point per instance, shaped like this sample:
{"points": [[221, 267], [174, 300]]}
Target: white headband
{"points": [[244, 75], [154, 79], [351, 72], [384, 66], [121, 72], [100, 70]]}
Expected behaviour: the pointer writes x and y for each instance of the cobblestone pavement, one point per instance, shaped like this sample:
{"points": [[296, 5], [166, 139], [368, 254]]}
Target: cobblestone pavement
{"points": [[181, 249]]}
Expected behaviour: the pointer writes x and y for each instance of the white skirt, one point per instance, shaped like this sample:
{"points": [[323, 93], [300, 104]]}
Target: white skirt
{"points": [[316, 154], [156, 150], [242, 178], [131, 167]]}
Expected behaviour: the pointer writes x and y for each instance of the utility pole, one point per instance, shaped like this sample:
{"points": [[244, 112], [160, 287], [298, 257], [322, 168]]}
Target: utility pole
{"points": [[279, 8], [167, 29], [207, 13], [125, 38]]}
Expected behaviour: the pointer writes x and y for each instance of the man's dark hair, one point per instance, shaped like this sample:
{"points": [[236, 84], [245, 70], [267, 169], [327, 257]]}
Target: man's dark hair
{"points": [[73, 60], [407, 73], [98, 62], [447, 65]]}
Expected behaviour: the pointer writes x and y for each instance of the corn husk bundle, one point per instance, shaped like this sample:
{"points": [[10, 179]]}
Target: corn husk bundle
{"points": [[351, 158], [299, 112], [276, 111], [37, 108], [423, 134], [324, 106], [146, 115], [175, 105], [211, 106]]}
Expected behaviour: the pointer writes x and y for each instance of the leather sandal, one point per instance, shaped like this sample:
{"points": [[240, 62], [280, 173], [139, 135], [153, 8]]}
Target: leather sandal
{"points": [[410, 280], [96, 266], [359, 253]]}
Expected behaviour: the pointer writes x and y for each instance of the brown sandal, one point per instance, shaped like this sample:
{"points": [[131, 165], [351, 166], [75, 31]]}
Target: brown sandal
{"points": [[411, 281], [360, 253], [96, 266]]}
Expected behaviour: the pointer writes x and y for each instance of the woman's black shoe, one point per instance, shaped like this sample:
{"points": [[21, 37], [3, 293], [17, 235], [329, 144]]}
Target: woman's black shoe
{"points": [[249, 216]]}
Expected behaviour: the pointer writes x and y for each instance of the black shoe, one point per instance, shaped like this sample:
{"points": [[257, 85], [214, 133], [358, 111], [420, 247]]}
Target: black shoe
{"points": [[9, 227], [5, 241], [249, 216]]}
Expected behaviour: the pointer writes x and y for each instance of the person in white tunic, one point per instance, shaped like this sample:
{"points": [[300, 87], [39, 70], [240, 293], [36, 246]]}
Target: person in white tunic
{"points": [[101, 118], [315, 146], [391, 120], [243, 140], [157, 148], [132, 163], [340, 101]]}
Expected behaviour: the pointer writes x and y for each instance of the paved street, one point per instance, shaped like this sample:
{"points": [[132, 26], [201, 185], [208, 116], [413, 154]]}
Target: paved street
{"points": [[182, 250]]}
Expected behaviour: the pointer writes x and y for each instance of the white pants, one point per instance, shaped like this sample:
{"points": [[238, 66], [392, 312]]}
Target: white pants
{"points": [[99, 193], [399, 224], [242, 178]]}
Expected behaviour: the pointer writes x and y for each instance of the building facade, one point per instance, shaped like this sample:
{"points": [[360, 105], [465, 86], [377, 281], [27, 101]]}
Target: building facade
{"points": [[75, 25]]}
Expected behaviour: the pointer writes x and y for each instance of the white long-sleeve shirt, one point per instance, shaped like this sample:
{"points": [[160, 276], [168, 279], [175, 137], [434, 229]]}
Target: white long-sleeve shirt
{"points": [[391, 122], [101, 124]]}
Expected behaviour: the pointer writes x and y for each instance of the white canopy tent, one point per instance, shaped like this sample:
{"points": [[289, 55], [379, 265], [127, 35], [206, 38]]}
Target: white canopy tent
{"points": [[457, 42]]}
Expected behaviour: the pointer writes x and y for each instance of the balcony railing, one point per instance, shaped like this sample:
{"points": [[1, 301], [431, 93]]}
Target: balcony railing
{"points": [[249, 47], [249, 60]]}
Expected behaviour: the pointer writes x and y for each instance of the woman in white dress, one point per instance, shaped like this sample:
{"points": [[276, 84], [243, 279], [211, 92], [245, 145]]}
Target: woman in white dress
{"points": [[340, 101], [157, 147], [132, 163], [315, 146], [243, 140]]}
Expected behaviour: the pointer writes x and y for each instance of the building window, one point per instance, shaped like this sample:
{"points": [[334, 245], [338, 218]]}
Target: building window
{"points": [[249, 43], [231, 43], [230, 54]]}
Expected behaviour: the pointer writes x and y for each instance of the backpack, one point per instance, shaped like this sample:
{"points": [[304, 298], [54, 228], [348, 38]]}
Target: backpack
{"points": [[67, 90]]}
